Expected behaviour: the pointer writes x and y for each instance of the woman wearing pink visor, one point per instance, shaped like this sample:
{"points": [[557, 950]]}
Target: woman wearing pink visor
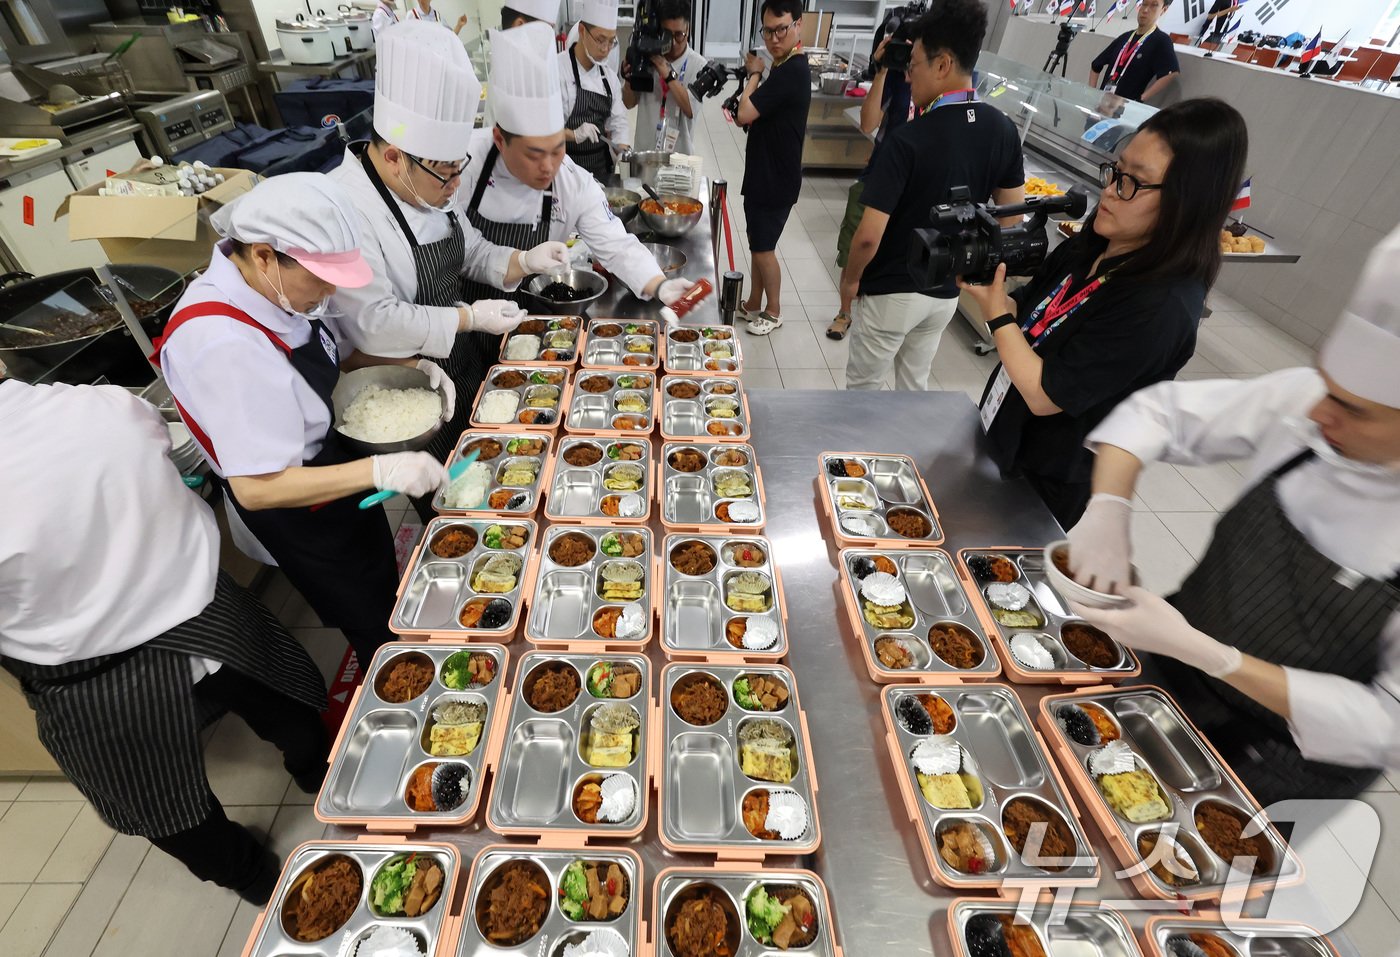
{"points": [[251, 358]]}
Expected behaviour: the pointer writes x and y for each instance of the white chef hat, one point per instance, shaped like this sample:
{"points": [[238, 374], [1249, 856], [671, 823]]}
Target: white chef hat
{"points": [[599, 13], [309, 217], [426, 93], [546, 10], [525, 97], [1362, 351]]}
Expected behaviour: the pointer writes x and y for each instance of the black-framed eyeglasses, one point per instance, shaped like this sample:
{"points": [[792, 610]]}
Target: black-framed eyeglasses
{"points": [[1125, 184], [679, 34], [607, 44], [777, 33], [457, 169]]}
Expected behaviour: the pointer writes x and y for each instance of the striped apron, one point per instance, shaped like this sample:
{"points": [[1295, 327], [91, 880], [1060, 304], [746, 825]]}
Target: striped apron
{"points": [[595, 108], [125, 727]]}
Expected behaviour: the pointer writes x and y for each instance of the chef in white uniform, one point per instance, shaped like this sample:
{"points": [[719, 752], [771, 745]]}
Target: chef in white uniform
{"points": [[522, 189], [595, 116], [614, 57], [418, 244], [1283, 645], [517, 13], [385, 15]]}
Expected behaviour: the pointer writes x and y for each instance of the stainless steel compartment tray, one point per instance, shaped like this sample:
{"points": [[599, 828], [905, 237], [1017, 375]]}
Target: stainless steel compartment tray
{"points": [[1082, 930], [1264, 939], [612, 352], [695, 614], [597, 412], [497, 463], [576, 491], [708, 348], [555, 355], [736, 885], [568, 597], [691, 417], [537, 379], [860, 506], [434, 589], [689, 499]]}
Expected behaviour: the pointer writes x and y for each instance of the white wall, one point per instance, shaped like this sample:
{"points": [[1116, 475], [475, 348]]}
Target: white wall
{"points": [[1333, 17]]}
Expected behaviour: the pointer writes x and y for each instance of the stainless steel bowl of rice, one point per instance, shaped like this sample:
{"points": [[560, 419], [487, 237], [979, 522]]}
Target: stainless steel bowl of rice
{"points": [[383, 409]]}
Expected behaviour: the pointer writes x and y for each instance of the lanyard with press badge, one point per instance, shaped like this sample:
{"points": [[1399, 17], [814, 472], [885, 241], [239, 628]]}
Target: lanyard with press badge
{"points": [[1125, 56], [968, 95], [666, 139], [1053, 310]]}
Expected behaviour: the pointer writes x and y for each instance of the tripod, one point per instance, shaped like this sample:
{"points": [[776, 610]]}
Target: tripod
{"points": [[1059, 56]]}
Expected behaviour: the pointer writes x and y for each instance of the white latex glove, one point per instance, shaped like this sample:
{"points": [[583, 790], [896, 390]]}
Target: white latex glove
{"points": [[672, 289], [546, 257], [586, 133], [437, 379], [1151, 624], [408, 473], [1100, 545], [495, 316]]}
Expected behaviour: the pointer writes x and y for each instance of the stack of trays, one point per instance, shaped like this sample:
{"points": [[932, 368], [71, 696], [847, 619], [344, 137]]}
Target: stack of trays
{"points": [[700, 482], [323, 902], [734, 769], [1174, 788], [714, 409], [596, 585], [934, 635], [532, 397], [467, 578], [612, 403], [624, 344], [980, 927], [1038, 639], [576, 722], [557, 340], [519, 463], [1242, 937], [703, 350], [596, 480], [686, 898], [976, 782], [412, 751], [718, 591], [874, 500]]}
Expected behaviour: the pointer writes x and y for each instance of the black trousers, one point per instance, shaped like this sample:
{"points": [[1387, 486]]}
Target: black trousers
{"points": [[1066, 500]]}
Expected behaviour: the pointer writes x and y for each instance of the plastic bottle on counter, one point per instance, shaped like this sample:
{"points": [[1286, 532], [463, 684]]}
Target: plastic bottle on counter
{"points": [[693, 297]]}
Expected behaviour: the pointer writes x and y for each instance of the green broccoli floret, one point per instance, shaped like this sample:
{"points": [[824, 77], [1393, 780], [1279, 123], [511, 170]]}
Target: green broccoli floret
{"points": [[573, 891], [745, 696], [765, 913]]}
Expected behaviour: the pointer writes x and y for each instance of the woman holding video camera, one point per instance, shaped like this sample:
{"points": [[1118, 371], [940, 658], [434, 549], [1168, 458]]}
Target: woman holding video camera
{"points": [[1114, 309]]}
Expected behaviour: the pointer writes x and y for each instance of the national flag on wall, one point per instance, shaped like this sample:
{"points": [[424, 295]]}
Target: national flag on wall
{"points": [[1314, 47], [1066, 6], [1241, 198], [1234, 28]]}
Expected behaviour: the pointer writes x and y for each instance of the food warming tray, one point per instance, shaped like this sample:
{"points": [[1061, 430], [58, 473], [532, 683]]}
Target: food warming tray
{"points": [[383, 743], [1084, 930], [636, 345], [715, 350], [540, 769], [572, 339], [933, 597], [434, 590], [891, 486], [695, 614], [539, 381], [568, 598], [577, 493], [729, 884], [717, 412], [271, 938], [1244, 936], [524, 442], [1189, 774], [1029, 567], [597, 413], [700, 783], [1005, 756], [689, 500]]}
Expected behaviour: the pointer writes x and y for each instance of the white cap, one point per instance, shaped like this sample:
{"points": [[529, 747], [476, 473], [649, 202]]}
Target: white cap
{"points": [[546, 10], [1362, 351], [525, 97], [426, 93], [599, 13]]}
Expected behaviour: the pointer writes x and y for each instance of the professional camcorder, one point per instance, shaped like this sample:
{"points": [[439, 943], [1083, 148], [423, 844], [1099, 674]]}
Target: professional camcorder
{"points": [[967, 240], [711, 79], [648, 39], [898, 25]]}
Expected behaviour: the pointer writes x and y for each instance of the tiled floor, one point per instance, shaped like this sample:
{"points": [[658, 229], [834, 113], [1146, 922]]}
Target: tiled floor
{"points": [[69, 887]]}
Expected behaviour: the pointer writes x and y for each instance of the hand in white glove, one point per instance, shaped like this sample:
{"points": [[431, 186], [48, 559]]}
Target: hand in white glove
{"points": [[408, 473], [672, 289], [586, 133], [441, 381], [495, 316], [1100, 546], [1151, 624], [546, 257]]}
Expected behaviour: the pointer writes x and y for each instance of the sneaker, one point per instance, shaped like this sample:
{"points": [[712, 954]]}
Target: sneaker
{"points": [[764, 323]]}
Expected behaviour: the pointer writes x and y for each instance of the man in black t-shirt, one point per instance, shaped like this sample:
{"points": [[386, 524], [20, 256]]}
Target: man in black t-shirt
{"points": [[957, 141], [775, 111], [1141, 62]]}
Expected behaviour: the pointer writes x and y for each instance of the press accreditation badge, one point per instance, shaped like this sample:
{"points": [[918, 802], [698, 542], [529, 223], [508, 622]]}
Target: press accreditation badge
{"points": [[991, 405]]}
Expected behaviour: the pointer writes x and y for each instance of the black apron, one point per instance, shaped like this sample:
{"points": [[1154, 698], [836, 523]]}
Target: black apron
{"points": [[125, 727], [595, 108], [1264, 589]]}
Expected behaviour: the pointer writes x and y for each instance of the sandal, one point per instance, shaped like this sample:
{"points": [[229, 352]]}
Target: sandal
{"points": [[839, 326]]}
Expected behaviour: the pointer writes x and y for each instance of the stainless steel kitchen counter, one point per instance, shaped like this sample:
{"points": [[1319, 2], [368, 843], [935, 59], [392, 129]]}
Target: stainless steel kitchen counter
{"points": [[88, 139]]}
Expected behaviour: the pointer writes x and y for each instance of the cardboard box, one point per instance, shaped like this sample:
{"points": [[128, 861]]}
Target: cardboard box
{"points": [[171, 231]]}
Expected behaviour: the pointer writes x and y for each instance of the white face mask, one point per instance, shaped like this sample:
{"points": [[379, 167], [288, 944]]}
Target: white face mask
{"points": [[321, 310], [418, 200], [1311, 435]]}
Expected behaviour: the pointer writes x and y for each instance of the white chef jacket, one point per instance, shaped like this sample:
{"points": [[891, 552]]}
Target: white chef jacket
{"points": [[102, 547], [579, 207], [615, 130], [384, 16], [649, 107], [1352, 519], [381, 319]]}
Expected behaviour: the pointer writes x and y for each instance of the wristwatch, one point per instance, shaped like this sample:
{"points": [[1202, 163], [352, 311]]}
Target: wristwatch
{"points": [[671, 77]]}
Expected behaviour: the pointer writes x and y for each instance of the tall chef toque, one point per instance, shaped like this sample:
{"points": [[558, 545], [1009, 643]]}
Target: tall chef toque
{"points": [[599, 13], [525, 98], [1362, 350], [545, 10], [426, 93]]}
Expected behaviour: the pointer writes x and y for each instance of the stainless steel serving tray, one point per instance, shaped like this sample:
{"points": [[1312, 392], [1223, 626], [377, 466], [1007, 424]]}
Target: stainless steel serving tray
{"points": [[732, 884], [934, 597], [1247, 938], [525, 392], [689, 499], [596, 413], [695, 613], [434, 590], [556, 355], [498, 462], [1083, 930], [859, 508], [704, 352], [576, 492], [612, 352], [1004, 754], [685, 418], [541, 765], [567, 597], [700, 782]]}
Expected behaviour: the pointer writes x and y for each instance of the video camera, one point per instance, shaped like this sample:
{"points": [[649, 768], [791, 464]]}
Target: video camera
{"points": [[648, 39], [711, 79], [967, 240], [898, 25]]}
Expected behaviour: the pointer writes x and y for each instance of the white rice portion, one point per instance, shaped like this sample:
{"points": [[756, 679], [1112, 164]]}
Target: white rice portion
{"points": [[469, 489], [382, 415], [522, 346], [498, 406]]}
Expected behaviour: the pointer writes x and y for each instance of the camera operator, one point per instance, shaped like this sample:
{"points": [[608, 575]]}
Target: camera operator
{"points": [[595, 125], [1141, 62], [956, 142], [666, 113], [1114, 309], [775, 111]]}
